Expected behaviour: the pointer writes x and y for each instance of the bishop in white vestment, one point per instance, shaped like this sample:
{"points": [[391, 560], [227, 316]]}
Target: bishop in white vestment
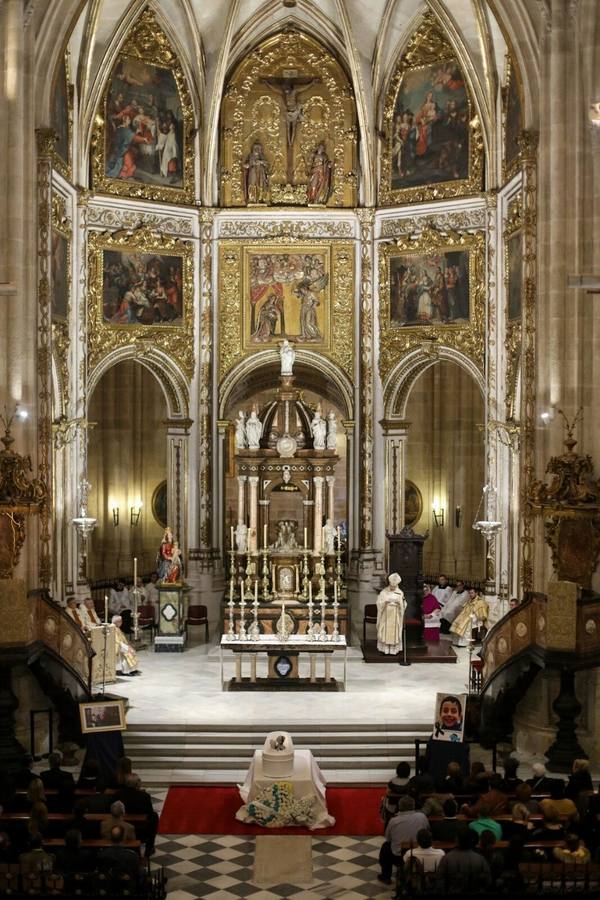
{"points": [[391, 606]]}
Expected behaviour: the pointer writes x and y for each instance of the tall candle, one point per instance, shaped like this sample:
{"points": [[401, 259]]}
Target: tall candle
{"points": [[231, 590], [310, 590], [256, 590], [105, 608], [232, 537], [243, 593], [135, 574], [335, 590], [339, 537], [323, 540], [265, 537], [297, 580], [305, 538]]}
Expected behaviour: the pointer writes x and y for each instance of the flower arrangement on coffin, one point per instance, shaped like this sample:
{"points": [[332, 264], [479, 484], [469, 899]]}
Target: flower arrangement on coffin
{"points": [[276, 807]]}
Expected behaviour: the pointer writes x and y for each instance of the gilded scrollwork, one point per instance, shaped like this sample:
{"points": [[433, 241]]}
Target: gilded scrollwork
{"points": [[176, 341], [62, 119], [512, 120], [285, 228], [127, 218], [467, 336], [147, 44], [513, 342], [366, 218], [472, 219], [288, 126], [333, 291], [429, 46]]}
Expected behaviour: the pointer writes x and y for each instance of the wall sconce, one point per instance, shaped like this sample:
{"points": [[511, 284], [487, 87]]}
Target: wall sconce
{"points": [[134, 513], [438, 513], [115, 515], [458, 517]]}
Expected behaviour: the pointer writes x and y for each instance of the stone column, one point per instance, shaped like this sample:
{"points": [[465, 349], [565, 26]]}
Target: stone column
{"points": [[177, 480], [395, 462], [241, 507], [318, 514], [330, 479], [253, 503]]}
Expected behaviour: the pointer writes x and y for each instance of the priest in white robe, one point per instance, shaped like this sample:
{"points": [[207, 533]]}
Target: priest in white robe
{"points": [[127, 661], [391, 606], [88, 614]]}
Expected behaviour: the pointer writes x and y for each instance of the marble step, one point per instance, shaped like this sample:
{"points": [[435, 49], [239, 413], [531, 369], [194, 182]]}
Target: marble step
{"points": [[293, 728], [254, 740], [224, 751], [224, 764]]}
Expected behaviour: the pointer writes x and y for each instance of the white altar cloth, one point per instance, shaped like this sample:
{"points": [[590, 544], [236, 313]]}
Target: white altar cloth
{"points": [[306, 778]]}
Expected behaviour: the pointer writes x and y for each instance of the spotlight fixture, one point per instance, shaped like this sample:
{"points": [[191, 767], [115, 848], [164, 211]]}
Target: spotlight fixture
{"points": [[134, 513], [438, 513], [115, 515]]}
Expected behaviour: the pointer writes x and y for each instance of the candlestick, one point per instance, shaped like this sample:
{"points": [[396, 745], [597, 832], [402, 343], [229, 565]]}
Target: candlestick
{"points": [[256, 591], [135, 601], [335, 591], [231, 589], [335, 634], [297, 579], [305, 538], [254, 630], [310, 591], [265, 574], [105, 609], [305, 573], [231, 625], [232, 544], [311, 628], [265, 538], [242, 632], [323, 634]]}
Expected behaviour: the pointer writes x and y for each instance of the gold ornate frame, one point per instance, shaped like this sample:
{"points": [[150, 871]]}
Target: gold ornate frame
{"points": [[467, 338], [510, 166], [513, 225], [65, 166], [427, 46], [149, 43], [176, 341], [233, 286], [60, 326]]}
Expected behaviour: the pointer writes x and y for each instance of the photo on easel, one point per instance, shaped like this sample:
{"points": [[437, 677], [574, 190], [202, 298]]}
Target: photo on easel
{"points": [[449, 718], [102, 715]]}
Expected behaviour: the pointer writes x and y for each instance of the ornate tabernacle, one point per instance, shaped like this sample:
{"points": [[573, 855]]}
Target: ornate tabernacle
{"points": [[20, 494], [571, 509]]}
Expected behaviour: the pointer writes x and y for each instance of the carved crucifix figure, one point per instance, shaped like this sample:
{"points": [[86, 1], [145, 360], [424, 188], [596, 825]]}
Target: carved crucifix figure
{"points": [[290, 89]]}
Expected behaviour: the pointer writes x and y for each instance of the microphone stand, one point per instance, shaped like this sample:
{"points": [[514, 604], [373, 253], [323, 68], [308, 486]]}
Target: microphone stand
{"points": [[404, 661]]}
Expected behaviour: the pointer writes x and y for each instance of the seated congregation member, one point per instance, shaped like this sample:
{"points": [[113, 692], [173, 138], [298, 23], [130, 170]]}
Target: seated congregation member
{"points": [[35, 860], [139, 802], [400, 782], [449, 826], [575, 852], [127, 661], [73, 858], [119, 860], [421, 782], [495, 799], [86, 827], [88, 614], [454, 605], [24, 775], [463, 870], [519, 826], [523, 795], [431, 609], [452, 782], [428, 856], [540, 782], [90, 777], [58, 779], [117, 818], [564, 805], [579, 779], [402, 828], [551, 827], [485, 822], [486, 846], [476, 782], [511, 780]]}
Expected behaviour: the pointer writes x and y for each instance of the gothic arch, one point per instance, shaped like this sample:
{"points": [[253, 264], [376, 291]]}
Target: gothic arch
{"points": [[404, 375], [312, 360], [168, 375]]}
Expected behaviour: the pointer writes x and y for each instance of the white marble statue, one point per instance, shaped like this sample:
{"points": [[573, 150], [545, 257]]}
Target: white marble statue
{"points": [[288, 355], [318, 428], [240, 430], [391, 606], [331, 430], [254, 430], [329, 535], [241, 537]]}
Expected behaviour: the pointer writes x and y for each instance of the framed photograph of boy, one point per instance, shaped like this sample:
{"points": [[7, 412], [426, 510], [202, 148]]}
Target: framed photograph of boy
{"points": [[102, 715]]}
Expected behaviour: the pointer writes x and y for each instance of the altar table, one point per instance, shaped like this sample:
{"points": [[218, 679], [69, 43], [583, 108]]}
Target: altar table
{"points": [[307, 781], [283, 656]]}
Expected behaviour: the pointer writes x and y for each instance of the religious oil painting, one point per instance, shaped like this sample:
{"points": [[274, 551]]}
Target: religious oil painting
{"points": [[430, 139], [159, 504], [514, 274], [427, 289], [144, 125], [513, 118], [413, 503], [60, 113], [142, 288], [286, 296], [59, 264]]}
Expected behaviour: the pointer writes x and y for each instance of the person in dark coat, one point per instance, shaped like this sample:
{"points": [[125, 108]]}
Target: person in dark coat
{"points": [[119, 860]]}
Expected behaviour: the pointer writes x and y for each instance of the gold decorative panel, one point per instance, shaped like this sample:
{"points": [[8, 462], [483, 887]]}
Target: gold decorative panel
{"points": [[288, 128], [62, 118], [141, 294], [512, 93], [143, 139], [433, 144], [270, 291], [514, 290], [431, 289]]}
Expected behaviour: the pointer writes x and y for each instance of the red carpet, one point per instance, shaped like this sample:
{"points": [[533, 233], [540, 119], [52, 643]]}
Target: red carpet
{"points": [[211, 810]]}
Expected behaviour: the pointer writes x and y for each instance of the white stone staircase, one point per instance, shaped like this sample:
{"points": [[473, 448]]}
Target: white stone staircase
{"points": [[171, 754]]}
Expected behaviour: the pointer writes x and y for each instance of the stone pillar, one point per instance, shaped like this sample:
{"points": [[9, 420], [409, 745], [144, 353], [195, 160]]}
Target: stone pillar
{"points": [[177, 480], [253, 511], [330, 479], [318, 514], [241, 507], [395, 462]]}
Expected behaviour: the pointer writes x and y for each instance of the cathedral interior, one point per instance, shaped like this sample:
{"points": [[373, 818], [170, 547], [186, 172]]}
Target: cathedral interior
{"points": [[295, 296]]}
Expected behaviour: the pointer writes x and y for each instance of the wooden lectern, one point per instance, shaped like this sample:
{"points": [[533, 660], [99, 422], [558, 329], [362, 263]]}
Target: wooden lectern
{"points": [[99, 674]]}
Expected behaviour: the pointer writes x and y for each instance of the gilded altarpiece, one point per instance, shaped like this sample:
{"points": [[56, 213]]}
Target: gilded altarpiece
{"points": [[431, 290], [62, 118], [300, 291], [433, 146], [289, 128], [143, 138], [141, 294], [512, 119]]}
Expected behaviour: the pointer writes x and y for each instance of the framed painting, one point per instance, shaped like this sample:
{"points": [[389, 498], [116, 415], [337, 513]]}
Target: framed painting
{"points": [[514, 276], [102, 715], [61, 117], [513, 119], [413, 503], [159, 504], [141, 286], [143, 145], [433, 145], [60, 265], [431, 289]]}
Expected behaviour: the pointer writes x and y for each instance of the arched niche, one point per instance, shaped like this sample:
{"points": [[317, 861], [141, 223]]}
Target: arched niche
{"points": [[444, 465], [289, 127], [127, 462]]}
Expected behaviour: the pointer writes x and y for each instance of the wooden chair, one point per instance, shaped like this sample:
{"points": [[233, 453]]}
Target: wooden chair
{"points": [[370, 618], [146, 618], [197, 615]]}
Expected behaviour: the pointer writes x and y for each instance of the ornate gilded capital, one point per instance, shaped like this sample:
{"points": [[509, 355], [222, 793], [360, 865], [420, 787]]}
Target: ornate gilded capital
{"points": [[46, 141]]}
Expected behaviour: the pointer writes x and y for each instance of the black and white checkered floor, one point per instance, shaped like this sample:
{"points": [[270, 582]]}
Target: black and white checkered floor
{"points": [[220, 867]]}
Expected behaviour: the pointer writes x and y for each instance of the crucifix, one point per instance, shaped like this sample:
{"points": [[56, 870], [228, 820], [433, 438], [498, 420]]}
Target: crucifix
{"points": [[290, 86]]}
